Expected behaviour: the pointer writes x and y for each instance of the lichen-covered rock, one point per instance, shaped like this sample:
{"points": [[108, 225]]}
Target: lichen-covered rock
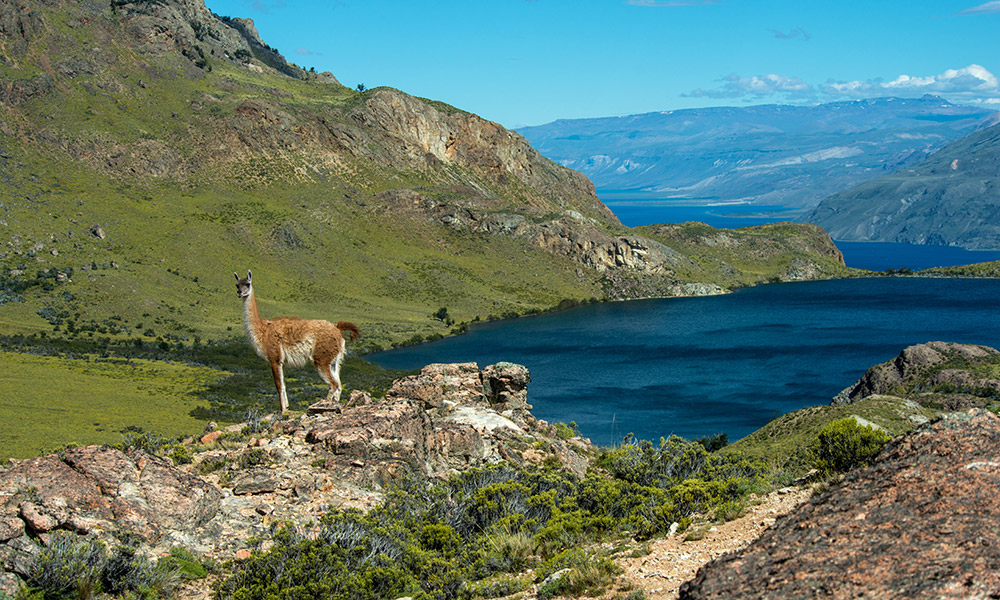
{"points": [[919, 523], [102, 489]]}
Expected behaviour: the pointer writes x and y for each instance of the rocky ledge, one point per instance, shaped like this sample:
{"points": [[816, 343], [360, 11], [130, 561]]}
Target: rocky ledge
{"points": [[248, 476], [943, 375], [919, 523]]}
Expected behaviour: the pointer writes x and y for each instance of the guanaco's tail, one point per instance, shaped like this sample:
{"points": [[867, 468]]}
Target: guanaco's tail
{"points": [[349, 327]]}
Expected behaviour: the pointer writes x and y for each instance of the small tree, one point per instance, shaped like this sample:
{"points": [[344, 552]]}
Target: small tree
{"points": [[361, 87]]}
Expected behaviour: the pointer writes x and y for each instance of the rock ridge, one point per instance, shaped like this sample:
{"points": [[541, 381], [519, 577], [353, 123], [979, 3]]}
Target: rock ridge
{"points": [[448, 418]]}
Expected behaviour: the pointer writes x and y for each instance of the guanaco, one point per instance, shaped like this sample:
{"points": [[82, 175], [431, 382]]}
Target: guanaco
{"points": [[293, 341]]}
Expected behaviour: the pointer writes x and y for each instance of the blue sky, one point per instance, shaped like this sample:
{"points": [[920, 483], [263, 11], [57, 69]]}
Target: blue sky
{"points": [[529, 62]]}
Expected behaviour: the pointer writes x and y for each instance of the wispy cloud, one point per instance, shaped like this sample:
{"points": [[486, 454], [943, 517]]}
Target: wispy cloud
{"points": [[971, 84], [982, 9], [756, 87], [265, 5], [307, 52], [673, 3], [794, 33]]}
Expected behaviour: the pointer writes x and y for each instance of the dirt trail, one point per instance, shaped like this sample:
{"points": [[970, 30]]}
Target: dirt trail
{"points": [[672, 561]]}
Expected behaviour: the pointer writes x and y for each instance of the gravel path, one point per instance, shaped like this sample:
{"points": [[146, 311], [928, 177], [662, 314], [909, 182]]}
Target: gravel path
{"points": [[672, 561]]}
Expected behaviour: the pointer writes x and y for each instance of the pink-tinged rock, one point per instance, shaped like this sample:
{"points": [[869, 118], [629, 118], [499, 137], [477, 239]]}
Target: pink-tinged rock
{"points": [[210, 437], [10, 528], [178, 499], [919, 523], [37, 519]]}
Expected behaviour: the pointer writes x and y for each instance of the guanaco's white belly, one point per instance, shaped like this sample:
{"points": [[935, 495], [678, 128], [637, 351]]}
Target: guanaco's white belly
{"points": [[298, 354]]}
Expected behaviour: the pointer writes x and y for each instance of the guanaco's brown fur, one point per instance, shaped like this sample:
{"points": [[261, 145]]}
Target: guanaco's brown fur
{"points": [[293, 341]]}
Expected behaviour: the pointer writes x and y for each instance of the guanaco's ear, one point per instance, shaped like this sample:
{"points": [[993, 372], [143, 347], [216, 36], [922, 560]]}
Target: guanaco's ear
{"points": [[236, 276], [248, 275]]}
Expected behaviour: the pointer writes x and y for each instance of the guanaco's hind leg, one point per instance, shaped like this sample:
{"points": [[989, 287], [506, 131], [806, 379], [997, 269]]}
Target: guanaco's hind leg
{"points": [[279, 382], [327, 359], [329, 371]]}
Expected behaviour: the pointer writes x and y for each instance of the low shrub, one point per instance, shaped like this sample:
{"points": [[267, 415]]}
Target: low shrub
{"points": [[457, 538], [845, 444], [74, 566]]}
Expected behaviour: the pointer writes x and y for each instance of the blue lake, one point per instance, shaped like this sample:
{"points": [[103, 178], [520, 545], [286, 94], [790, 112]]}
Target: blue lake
{"points": [[700, 366], [876, 256]]}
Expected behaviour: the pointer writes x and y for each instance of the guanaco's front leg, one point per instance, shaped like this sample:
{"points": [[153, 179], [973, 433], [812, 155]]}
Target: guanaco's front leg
{"points": [[279, 382]]}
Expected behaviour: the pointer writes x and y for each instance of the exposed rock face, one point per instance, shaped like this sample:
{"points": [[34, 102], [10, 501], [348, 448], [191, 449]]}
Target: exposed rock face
{"points": [[446, 419], [913, 371], [919, 523], [100, 491]]}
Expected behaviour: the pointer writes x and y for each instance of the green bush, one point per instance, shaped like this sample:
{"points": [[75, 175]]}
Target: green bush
{"points": [[844, 444], [565, 432], [180, 454]]}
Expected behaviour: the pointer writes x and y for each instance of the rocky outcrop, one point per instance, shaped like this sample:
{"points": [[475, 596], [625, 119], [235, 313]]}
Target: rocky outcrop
{"points": [[933, 369], [446, 419], [919, 523], [97, 491]]}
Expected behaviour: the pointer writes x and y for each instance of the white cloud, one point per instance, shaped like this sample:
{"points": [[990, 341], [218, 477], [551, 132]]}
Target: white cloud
{"points": [[758, 86], [971, 84], [307, 52], [982, 9]]}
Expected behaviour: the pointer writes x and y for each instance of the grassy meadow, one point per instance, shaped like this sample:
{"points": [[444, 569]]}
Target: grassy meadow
{"points": [[49, 402]]}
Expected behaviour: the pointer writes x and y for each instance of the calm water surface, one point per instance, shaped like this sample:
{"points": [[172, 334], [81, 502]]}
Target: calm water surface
{"points": [[700, 366]]}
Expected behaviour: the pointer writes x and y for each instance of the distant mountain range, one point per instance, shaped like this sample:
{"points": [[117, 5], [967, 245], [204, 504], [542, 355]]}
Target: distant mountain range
{"points": [[773, 154], [951, 198]]}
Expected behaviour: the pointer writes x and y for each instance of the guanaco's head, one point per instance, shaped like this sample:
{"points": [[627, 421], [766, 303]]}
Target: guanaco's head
{"points": [[243, 287]]}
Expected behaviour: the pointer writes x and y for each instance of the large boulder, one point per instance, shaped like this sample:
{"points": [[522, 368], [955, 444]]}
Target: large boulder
{"points": [[919, 523]]}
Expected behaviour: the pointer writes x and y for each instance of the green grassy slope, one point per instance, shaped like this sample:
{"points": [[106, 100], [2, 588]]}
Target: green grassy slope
{"points": [[139, 171]]}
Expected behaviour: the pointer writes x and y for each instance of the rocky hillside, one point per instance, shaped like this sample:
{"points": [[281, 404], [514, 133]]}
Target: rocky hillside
{"points": [[771, 154], [271, 492], [247, 477], [923, 382], [916, 524], [949, 199], [149, 149], [937, 374]]}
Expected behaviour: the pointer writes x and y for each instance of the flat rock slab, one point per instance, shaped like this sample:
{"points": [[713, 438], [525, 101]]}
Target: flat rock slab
{"points": [[923, 522]]}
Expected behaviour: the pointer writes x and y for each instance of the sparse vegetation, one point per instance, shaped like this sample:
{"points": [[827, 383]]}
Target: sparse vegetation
{"points": [[484, 527], [71, 566]]}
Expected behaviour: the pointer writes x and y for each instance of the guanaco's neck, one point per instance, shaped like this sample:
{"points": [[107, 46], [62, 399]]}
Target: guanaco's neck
{"points": [[252, 322]]}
